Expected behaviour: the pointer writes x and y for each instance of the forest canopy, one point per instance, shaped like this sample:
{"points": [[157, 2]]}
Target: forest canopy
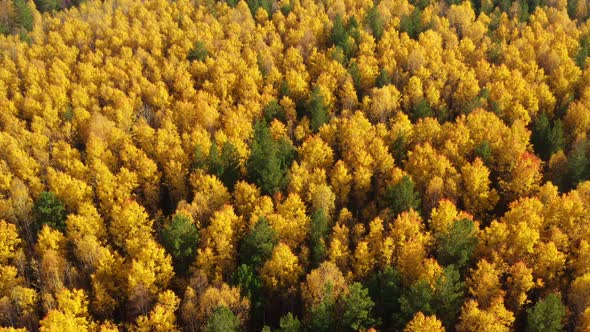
{"points": [[294, 165]]}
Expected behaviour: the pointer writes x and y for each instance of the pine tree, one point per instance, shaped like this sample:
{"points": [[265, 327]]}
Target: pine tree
{"points": [[50, 210], [385, 288], [456, 247], [48, 5], [222, 320], [250, 286], [402, 196], [274, 110], [180, 238], [199, 52], [547, 315], [578, 164], [484, 152], [443, 300], [358, 308], [375, 21], [257, 245], [318, 235], [23, 15], [421, 110], [317, 110], [546, 138], [290, 323], [383, 78], [269, 160], [322, 315], [412, 24], [449, 295]]}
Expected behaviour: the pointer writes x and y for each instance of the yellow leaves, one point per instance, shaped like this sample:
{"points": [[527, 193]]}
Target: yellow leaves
{"points": [[112, 189], [484, 283], [24, 299], [161, 317], [549, 263], [348, 95], [443, 217], [9, 240], [17, 301], [107, 113], [410, 242], [73, 302], [50, 239], [219, 243], [224, 295], [367, 63], [432, 173], [20, 161], [581, 10], [69, 159], [341, 180], [421, 323], [383, 103], [86, 223], [322, 197], [582, 262], [477, 195], [567, 212], [71, 313], [296, 75], [400, 126], [384, 162], [477, 319], [363, 260], [282, 271], [519, 282], [151, 264], [525, 176], [316, 153], [129, 221], [148, 175], [246, 198], [5, 177], [169, 152], [460, 17], [524, 221], [577, 119], [339, 251], [291, 221], [314, 289], [148, 274], [277, 129], [107, 281], [9, 279], [380, 247], [7, 11], [579, 293], [209, 193], [584, 323]]}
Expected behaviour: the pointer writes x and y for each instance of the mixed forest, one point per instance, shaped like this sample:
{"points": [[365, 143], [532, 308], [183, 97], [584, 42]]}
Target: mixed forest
{"points": [[294, 165]]}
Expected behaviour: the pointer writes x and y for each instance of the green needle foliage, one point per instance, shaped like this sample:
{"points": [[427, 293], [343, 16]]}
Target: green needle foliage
{"points": [[50, 210], [23, 14], [269, 160], [547, 315], [180, 238], [402, 196], [456, 247], [258, 244], [222, 320], [358, 308]]}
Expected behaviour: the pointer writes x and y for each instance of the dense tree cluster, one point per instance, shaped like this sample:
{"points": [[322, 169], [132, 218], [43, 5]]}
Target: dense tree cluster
{"points": [[289, 165]]}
